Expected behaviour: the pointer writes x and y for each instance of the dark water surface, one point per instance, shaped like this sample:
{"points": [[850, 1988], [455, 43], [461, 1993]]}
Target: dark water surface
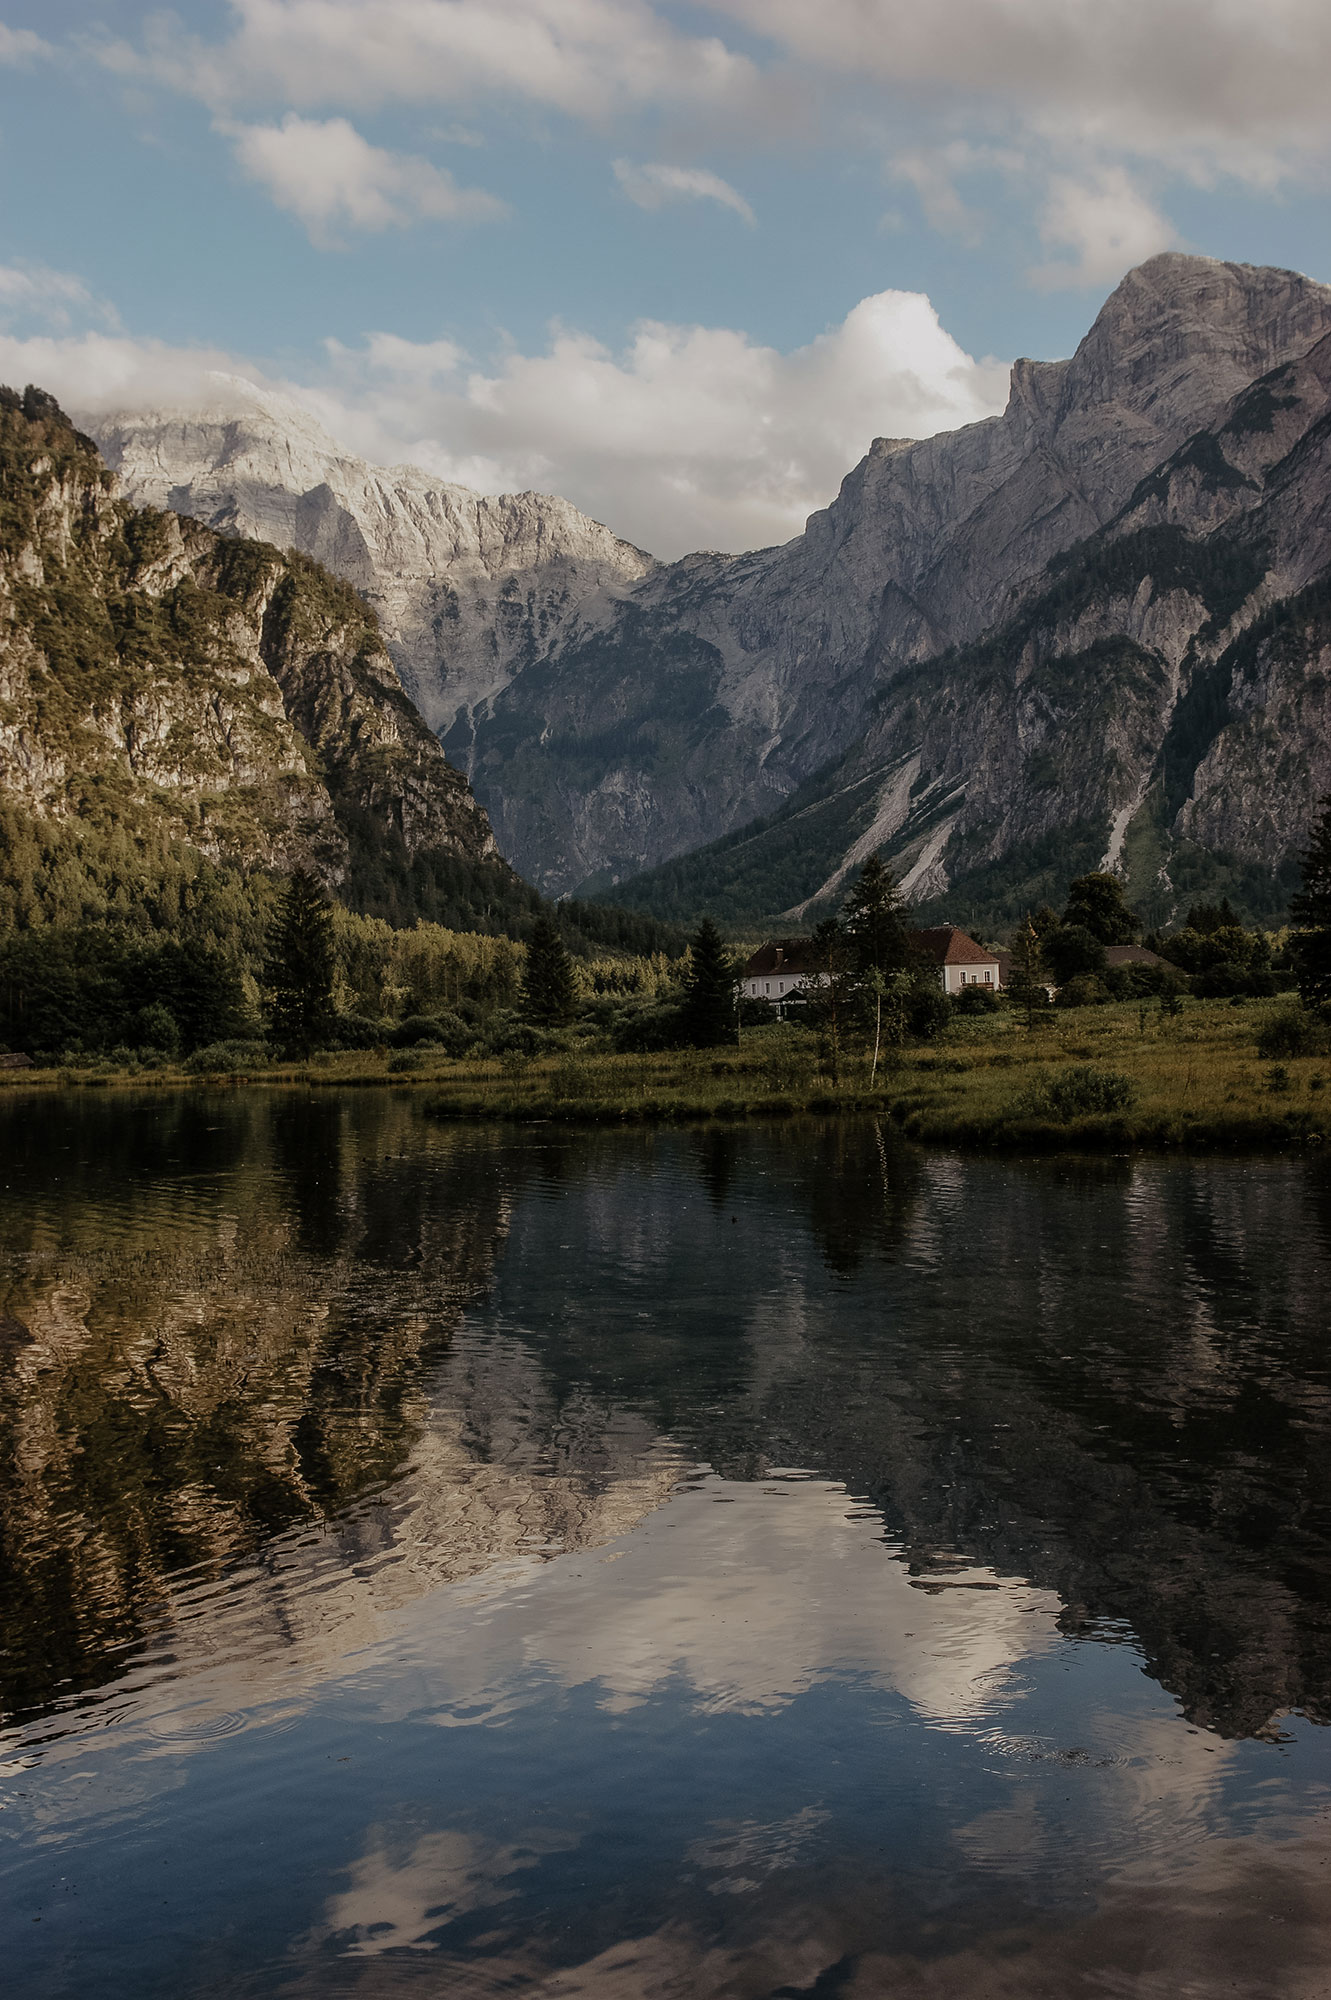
{"points": [[728, 1563]]}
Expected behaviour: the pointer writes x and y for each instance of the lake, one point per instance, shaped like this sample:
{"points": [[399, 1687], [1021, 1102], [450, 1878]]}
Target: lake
{"points": [[710, 1562]]}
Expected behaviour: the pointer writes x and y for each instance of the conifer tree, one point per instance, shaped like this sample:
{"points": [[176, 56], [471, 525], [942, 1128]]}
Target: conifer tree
{"points": [[548, 995], [874, 920], [298, 974], [709, 1016], [1310, 946]]}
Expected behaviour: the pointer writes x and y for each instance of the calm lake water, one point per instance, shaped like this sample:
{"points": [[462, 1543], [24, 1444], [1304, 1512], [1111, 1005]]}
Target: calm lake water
{"points": [[736, 1563]]}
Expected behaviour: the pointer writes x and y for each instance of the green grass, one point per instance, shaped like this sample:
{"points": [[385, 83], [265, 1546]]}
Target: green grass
{"points": [[1197, 1082]]}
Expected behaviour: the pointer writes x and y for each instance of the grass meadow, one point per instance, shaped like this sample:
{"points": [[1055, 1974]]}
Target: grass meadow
{"points": [[1114, 1076]]}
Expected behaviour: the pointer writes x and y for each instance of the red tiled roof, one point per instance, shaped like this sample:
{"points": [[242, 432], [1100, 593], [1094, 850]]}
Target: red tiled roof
{"points": [[946, 945], [781, 955]]}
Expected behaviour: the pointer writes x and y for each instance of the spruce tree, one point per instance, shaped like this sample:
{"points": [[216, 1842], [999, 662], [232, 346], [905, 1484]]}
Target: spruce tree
{"points": [[298, 975], [709, 1016], [1310, 946], [548, 995], [874, 920]]}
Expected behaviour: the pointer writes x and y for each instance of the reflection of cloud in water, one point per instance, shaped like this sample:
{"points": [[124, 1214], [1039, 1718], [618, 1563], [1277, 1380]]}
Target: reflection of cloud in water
{"points": [[403, 1891], [752, 1593]]}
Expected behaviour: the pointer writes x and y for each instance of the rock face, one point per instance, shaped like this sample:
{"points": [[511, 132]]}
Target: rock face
{"points": [[469, 590], [1157, 700], [159, 681], [642, 712]]}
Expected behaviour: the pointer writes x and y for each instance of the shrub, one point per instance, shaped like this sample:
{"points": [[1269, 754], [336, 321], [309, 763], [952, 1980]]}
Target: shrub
{"points": [[227, 1059], [1086, 990], [447, 1031], [787, 1061], [358, 1031], [1292, 1031], [1084, 1088], [976, 1000], [928, 1011]]}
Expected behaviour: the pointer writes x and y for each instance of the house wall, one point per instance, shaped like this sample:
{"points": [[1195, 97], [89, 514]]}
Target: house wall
{"points": [[774, 986], [957, 976]]}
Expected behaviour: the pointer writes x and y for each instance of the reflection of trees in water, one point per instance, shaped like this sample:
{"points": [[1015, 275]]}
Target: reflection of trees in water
{"points": [[208, 1345]]}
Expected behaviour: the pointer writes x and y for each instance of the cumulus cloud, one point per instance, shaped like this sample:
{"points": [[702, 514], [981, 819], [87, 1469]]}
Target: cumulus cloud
{"points": [[1106, 223], [652, 185], [327, 174], [687, 437]]}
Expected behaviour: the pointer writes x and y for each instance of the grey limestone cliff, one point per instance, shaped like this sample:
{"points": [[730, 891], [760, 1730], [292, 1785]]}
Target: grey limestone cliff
{"points": [[614, 713]]}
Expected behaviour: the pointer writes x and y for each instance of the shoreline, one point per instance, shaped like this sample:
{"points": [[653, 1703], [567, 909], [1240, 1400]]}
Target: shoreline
{"points": [[1196, 1082]]}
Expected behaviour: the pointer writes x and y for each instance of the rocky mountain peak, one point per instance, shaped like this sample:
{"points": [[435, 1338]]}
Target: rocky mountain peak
{"points": [[469, 588]]}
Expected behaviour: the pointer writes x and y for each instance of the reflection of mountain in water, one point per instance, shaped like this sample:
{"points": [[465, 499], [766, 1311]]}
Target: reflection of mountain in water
{"points": [[231, 1320], [228, 1318], [1111, 1378]]}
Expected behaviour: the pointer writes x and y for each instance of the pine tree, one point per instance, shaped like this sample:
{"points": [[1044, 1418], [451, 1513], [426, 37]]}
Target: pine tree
{"points": [[298, 975], [1310, 946], [874, 920], [548, 996], [709, 1016]]}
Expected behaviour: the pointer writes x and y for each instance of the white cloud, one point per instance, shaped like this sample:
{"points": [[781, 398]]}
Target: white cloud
{"points": [[584, 57], [34, 296], [20, 45], [327, 174], [688, 437], [1107, 224], [653, 184]]}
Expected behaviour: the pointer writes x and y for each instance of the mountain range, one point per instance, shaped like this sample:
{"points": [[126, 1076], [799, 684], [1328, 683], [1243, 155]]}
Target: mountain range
{"points": [[1084, 632]]}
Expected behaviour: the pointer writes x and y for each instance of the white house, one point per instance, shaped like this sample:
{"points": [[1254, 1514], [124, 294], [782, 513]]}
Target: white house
{"points": [[778, 971], [784, 969], [960, 961]]}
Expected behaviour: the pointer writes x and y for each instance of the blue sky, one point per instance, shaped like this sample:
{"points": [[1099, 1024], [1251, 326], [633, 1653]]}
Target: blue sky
{"points": [[680, 263]]}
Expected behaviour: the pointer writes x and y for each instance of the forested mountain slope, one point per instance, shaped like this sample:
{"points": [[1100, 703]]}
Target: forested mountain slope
{"points": [[165, 690]]}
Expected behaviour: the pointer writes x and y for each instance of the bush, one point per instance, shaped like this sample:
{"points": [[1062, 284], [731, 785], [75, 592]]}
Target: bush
{"points": [[787, 1060], [358, 1031], [448, 1031], [1082, 1089], [227, 1059], [648, 1029], [975, 1000], [1086, 990], [928, 1011], [1292, 1031]]}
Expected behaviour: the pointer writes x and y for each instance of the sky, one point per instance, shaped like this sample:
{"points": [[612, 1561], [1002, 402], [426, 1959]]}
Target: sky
{"points": [[680, 263]]}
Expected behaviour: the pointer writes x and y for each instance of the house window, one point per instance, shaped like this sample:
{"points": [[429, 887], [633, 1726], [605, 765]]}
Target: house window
{"points": [[988, 979], [768, 987]]}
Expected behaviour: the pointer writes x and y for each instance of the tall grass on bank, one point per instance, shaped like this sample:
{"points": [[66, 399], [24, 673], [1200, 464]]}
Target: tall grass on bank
{"points": [[1111, 1077]]}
